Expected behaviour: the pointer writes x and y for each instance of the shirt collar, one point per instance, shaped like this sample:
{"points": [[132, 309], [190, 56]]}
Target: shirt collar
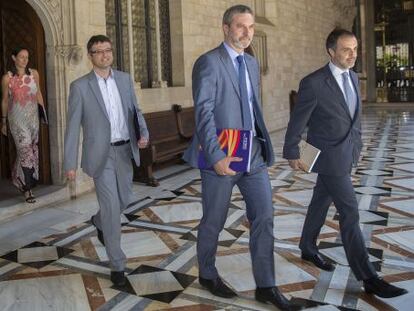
{"points": [[111, 75], [336, 71], [232, 53]]}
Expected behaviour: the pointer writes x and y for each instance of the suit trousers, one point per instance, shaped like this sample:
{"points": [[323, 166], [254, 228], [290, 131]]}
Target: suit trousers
{"points": [[340, 191], [114, 192], [257, 194]]}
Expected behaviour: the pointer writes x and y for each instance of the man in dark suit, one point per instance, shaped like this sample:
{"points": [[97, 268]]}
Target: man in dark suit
{"points": [[329, 104], [226, 95]]}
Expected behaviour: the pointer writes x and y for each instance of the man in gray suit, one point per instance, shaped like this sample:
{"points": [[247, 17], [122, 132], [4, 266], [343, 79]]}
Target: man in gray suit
{"points": [[226, 95], [329, 104], [104, 104]]}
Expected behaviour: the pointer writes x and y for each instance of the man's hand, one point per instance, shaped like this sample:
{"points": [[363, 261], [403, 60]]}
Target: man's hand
{"points": [[71, 175], [222, 166], [4, 129], [142, 142], [296, 164]]}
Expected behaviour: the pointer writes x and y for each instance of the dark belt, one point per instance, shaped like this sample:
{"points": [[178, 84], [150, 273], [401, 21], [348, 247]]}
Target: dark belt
{"points": [[120, 142]]}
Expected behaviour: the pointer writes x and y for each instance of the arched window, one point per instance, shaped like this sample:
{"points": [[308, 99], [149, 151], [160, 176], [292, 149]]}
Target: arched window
{"points": [[140, 32]]}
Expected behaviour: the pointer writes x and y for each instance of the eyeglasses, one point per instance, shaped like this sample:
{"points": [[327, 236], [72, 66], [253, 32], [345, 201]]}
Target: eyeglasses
{"points": [[101, 52]]}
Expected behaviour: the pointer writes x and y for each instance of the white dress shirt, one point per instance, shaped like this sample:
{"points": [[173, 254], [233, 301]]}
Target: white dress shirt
{"points": [[113, 105], [337, 73]]}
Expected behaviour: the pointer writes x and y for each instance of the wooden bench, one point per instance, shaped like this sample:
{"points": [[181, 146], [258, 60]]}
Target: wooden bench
{"points": [[170, 132]]}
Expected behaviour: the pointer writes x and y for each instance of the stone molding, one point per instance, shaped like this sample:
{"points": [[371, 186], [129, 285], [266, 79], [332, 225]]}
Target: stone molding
{"points": [[72, 54]]}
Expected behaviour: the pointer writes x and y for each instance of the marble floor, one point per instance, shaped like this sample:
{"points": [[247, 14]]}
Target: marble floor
{"points": [[51, 258]]}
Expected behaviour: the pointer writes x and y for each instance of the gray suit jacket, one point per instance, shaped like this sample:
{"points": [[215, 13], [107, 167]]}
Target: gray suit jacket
{"points": [[321, 106], [86, 109], [216, 97]]}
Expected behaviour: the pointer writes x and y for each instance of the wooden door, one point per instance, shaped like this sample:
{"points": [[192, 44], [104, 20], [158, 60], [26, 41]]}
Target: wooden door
{"points": [[20, 26]]}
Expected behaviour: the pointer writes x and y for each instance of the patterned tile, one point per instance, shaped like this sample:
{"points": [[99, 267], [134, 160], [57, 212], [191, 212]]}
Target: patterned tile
{"points": [[136, 244], [375, 172], [383, 191], [37, 255], [402, 239], [69, 267], [407, 183], [401, 205], [156, 284]]}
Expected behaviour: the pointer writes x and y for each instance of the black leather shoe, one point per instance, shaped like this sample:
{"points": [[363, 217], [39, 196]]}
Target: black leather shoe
{"points": [[319, 261], [271, 295], [217, 287], [379, 287], [118, 278], [100, 233]]}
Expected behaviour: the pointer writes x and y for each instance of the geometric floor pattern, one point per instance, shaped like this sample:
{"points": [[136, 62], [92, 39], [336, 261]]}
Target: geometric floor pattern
{"points": [[66, 268]]}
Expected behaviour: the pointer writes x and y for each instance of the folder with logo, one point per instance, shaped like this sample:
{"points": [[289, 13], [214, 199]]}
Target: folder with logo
{"points": [[234, 143], [308, 155]]}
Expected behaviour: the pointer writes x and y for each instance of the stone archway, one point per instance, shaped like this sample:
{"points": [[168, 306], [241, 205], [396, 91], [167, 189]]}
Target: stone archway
{"points": [[57, 18], [21, 27]]}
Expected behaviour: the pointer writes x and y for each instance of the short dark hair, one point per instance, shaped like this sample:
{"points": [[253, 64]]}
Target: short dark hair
{"points": [[235, 9], [97, 39], [333, 37]]}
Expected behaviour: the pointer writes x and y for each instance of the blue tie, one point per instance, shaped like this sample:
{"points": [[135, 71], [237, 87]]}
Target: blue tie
{"points": [[350, 96], [245, 107]]}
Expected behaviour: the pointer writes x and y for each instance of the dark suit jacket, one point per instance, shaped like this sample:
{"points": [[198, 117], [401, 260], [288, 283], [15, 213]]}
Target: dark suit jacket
{"points": [[216, 97], [321, 106]]}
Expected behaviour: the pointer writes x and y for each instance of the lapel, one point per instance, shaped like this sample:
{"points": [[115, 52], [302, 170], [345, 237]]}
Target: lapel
{"points": [[228, 64], [354, 79], [252, 70], [333, 85], [93, 82], [122, 91]]}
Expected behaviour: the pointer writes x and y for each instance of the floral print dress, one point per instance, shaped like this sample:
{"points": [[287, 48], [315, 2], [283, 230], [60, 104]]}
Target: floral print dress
{"points": [[24, 126]]}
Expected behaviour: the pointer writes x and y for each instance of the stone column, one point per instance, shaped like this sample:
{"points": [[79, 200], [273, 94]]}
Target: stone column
{"points": [[159, 82], [130, 40]]}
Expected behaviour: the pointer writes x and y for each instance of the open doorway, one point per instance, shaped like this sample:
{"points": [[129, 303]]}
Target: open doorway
{"points": [[20, 26]]}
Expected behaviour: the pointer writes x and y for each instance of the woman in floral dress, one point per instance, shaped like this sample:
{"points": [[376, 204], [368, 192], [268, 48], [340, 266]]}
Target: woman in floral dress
{"points": [[21, 95]]}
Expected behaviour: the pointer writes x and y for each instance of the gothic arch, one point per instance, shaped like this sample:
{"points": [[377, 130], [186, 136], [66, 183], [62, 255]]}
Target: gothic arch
{"points": [[57, 17]]}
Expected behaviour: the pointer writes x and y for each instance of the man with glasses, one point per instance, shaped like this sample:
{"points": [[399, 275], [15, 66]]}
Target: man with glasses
{"points": [[104, 104]]}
